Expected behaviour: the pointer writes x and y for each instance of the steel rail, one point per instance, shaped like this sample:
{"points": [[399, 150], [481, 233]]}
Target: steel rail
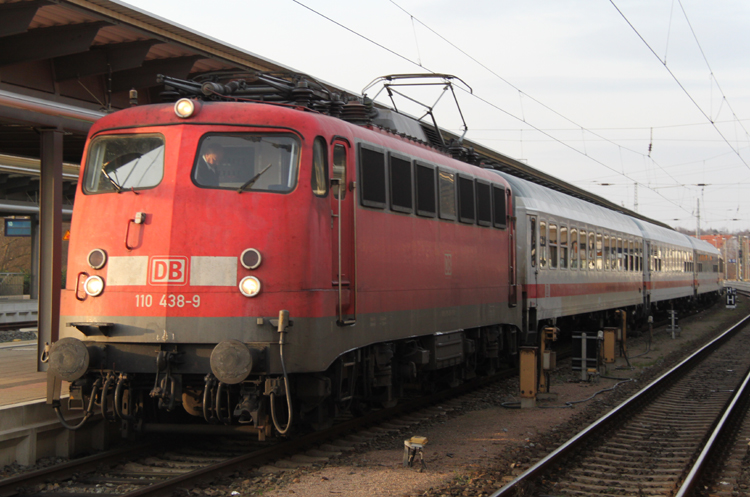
{"points": [[19, 325], [602, 423], [734, 412], [84, 464]]}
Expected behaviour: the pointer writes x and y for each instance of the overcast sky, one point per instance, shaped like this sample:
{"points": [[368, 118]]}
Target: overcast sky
{"points": [[566, 86]]}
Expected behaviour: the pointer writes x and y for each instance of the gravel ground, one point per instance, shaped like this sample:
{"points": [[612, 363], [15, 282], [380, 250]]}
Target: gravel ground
{"points": [[16, 335], [474, 450]]}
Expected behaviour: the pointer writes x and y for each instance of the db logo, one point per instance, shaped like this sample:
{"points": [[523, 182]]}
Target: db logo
{"points": [[168, 271]]}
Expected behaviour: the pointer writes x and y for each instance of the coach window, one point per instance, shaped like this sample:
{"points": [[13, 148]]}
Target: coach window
{"points": [[484, 203], [499, 202], [593, 258], [447, 195], [573, 248], [607, 255], [425, 190], [372, 175], [652, 259], [629, 257], [563, 247], [582, 250], [620, 254], [532, 228], [542, 244], [660, 259], [672, 259], [669, 256], [319, 179], [599, 248], [639, 256], [552, 242], [466, 212], [401, 185]]}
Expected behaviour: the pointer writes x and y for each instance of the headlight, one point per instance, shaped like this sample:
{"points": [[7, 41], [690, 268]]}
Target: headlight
{"points": [[93, 286], [97, 258], [249, 286], [250, 258], [184, 108]]}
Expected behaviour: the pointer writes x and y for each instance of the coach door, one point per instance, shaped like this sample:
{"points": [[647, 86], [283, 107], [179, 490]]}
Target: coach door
{"points": [[343, 226], [512, 269], [646, 263]]}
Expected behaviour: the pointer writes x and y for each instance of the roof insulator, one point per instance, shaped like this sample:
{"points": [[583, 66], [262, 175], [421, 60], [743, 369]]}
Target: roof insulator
{"points": [[355, 112]]}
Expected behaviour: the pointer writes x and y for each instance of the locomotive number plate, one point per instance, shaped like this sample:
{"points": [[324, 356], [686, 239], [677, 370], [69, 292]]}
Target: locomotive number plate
{"points": [[169, 300]]}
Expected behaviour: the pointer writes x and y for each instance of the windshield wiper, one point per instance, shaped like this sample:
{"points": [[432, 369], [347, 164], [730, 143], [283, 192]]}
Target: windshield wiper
{"points": [[118, 162], [252, 180], [117, 186]]}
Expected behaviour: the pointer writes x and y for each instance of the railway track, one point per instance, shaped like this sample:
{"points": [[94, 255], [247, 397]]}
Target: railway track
{"points": [[161, 467], [646, 446], [18, 325]]}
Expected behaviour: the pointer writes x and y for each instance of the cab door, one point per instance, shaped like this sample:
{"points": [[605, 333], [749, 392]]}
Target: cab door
{"points": [[343, 230]]}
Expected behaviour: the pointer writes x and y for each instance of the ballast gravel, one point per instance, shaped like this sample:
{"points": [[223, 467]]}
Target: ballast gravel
{"points": [[478, 446]]}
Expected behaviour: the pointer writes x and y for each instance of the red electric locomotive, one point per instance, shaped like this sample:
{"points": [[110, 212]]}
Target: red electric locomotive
{"points": [[264, 265], [264, 255]]}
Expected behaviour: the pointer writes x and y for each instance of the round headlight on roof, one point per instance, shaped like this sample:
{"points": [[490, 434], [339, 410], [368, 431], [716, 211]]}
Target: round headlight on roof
{"points": [[97, 258], [184, 108], [250, 258], [250, 286], [94, 286]]}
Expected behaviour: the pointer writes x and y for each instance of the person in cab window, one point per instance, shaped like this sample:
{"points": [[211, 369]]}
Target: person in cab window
{"points": [[207, 172]]}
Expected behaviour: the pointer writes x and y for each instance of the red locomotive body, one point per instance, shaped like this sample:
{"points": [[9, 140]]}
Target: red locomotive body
{"points": [[384, 288]]}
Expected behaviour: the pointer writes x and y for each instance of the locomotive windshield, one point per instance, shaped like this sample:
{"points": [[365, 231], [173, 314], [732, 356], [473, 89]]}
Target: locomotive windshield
{"points": [[124, 162], [247, 162]]}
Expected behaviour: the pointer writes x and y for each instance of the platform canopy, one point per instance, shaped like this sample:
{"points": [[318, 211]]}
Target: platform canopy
{"points": [[63, 65]]}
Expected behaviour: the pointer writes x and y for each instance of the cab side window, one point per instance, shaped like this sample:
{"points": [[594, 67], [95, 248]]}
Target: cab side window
{"points": [[339, 171], [319, 179]]}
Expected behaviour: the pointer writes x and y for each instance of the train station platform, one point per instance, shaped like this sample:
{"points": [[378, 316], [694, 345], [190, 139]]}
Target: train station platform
{"points": [[19, 379], [17, 310]]}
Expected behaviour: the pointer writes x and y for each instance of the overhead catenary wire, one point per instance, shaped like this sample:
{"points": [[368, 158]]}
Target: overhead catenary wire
{"points": [[493, 105], [679, 83], [521, 92]]}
